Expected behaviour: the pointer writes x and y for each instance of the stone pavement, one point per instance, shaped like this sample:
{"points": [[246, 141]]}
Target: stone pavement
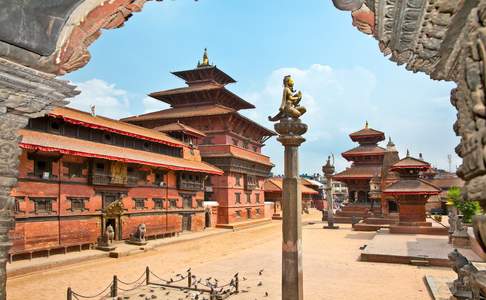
{"points": [[411, 248], [25, 266], [332, 269]]}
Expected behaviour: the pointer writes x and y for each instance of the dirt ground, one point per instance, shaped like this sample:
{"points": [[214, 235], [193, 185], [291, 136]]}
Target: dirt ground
{"points": [[330, 264]]}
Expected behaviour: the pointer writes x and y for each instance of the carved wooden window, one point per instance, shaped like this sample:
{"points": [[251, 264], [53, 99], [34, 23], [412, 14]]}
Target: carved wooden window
{"points": [[43, 168], [200, 203], [173, 203], [159, 178], [78, 203], [158, 203], [18, 200], [257, 211], [248, 197], [238, 198], [250, 182], [187, 201], [238, 213], [43, 205], [257, 198], [54, 126], [139, 203], [75, 170], [238, 180]]}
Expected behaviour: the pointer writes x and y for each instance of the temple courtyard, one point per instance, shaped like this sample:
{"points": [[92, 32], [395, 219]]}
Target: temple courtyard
{"points": [[332, 269]]}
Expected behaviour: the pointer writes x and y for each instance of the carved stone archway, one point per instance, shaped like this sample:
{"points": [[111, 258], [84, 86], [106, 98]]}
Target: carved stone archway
{"points": [[40, 39]]}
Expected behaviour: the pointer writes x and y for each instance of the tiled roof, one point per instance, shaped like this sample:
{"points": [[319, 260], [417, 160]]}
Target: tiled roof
{"points": [[82, 118], [200, 92], [233, 151], [187, 89], [34, 140], [410, 163], [365, 132], [182, 112], [447, 182], [415, 186], [275, 185], [180, 127], [364, 150], [201, 73], [358, 172], [195, 111]]}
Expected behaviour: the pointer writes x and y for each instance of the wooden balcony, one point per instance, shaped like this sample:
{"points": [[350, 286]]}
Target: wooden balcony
{"points": [[104, 179]]}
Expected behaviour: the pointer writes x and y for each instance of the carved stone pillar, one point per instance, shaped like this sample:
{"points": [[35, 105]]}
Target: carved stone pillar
{"points": [[290, 135], [24, 93]]}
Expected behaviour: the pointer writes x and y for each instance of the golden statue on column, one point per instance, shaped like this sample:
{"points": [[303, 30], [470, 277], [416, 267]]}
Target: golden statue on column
{"points": [[290, 102]]}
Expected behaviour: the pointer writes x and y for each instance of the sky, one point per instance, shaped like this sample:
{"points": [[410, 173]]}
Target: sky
{"points": [[344, 78]]}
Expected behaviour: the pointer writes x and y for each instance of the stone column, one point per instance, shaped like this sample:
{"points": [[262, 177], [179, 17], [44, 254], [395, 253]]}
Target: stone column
{"points": [[328, 170], [24, 93], [290, 135]]}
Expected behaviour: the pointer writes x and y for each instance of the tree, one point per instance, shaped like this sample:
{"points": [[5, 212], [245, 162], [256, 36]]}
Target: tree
{"points": [[467, 208]]}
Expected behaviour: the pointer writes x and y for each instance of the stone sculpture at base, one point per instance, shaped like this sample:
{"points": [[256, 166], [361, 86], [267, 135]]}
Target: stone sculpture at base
{"points": [[105, 242], [138, 238]]}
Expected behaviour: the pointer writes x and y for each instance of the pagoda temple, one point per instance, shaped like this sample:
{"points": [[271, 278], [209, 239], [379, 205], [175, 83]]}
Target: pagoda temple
{"points": [[231, 141], [412, 194], [367, 161]]}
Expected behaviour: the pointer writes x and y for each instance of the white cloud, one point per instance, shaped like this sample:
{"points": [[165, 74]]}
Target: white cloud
{"points": [[109, 100], [150, 105], [339, 101]]}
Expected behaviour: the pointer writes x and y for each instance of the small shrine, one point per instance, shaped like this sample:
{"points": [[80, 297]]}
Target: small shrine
{"points": [[412, 193]]}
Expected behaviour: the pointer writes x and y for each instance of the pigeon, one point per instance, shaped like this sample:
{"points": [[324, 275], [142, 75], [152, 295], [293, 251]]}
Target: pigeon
{"points": [[260, 283], [260, 272], [244, 278], [362, 247]]}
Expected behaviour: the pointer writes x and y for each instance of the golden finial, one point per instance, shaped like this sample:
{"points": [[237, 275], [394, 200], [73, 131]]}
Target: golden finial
{"points": [[205, 60], [408, 153], [366, 125]]}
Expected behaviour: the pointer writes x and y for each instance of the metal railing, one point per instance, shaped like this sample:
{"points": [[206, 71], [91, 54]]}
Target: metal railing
{"points": [[210, 286]]}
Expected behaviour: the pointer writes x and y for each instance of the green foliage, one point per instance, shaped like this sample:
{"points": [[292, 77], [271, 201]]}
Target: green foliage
{"points": [[467, 208]]}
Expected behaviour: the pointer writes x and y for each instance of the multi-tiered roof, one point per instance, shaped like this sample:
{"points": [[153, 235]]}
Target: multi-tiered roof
{"points": [[409, 169], [367, 157], [206, 95]]}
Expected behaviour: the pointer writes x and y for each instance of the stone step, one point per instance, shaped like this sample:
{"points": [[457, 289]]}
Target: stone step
{"points": [[345, 220], [351, 213], [245, 224], [420, 262], [380, 221], [369, 227]]}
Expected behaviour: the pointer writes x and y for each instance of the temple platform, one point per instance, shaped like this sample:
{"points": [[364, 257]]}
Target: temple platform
{"points": [[375, 223], [414, 249], [408, 229], [245, 224]]}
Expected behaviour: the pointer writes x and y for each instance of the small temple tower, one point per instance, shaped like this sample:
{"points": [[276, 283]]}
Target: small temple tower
{"points": [[208, 113], [412, 194], [367, 160]]}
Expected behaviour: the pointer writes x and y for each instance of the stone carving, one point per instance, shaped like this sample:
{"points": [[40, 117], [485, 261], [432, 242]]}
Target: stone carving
{"points": [[24, 93], [138, 238], [460, 286], [114, 209], [452, 224], [289, 107], [113, 14], [105, 242]]}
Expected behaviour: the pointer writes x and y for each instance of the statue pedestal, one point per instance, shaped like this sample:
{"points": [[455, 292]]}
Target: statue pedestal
{"points": [[136, 242], [290, 131]]}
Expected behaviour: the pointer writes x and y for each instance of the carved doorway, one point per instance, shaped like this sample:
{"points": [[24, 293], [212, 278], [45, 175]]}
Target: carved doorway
{"points": [[113, 222], [186, 222]]}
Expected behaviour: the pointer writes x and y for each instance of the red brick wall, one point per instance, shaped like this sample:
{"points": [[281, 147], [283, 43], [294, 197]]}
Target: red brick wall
{"points": [[34, 230]]}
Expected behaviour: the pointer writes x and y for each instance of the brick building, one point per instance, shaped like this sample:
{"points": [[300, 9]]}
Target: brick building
{"points": [[232, 142], [79, 172]]}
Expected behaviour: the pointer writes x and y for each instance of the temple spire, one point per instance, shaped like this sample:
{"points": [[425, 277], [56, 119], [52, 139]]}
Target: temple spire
{"points": [[408, 153], [205, 59], [366, 125]]}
